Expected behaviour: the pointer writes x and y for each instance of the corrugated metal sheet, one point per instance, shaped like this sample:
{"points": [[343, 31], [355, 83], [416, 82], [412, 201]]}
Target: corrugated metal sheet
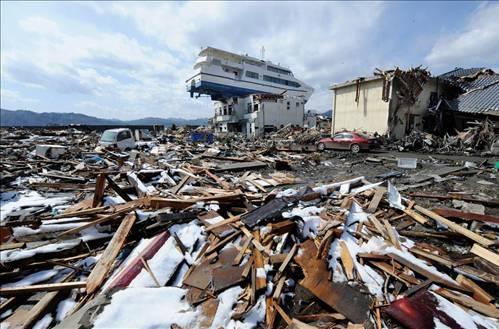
{"points": [[478, 96], [478, 101], [460, 72]]}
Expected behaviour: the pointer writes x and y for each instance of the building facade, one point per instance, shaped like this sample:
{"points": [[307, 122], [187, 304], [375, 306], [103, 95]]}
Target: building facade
{"points": [[257, 113], [391, 102]]}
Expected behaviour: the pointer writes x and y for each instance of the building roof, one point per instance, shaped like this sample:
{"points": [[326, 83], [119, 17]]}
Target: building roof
{"points": [[352, 82], [460, 72], [480, 88]]}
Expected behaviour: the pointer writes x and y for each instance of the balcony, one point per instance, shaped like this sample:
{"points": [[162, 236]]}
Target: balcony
{"points": [[226, 118], [251, 116]]}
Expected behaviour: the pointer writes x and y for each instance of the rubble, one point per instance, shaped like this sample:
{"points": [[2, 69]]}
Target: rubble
{"points": [[477, 139], [189, 235]]}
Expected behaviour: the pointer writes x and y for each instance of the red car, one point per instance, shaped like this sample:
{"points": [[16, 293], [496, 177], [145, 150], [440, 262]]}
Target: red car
{"points": [[347, 140]]}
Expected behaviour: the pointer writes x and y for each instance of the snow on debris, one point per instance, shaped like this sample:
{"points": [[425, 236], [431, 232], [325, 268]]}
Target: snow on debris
{"points": [[10, 203], [32, 279], [147, 308]]}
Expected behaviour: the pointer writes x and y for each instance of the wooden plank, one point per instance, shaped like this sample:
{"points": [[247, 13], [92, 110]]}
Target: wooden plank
{"points": [[391, 234], [116, 188], [157, 203], [225, 185], [474, 272], [222, 223], [284, 264], [103, 266], [283, 314], [491, 203], [12, 245], [100, 185], [345, 299], [15, 291], [426, 273], [347, 260], [417, 217], [39, 308], [446, 212], [428, 255], [487, 309], [222, 243], [378, 195], [240, 256], [241, 166], [455, 227], [181, 184], [78, 213], [389, 269], [278, 288], [478, 293], [255, 242], [98, 221], [485, 254], [378, 225], [261, 279]]}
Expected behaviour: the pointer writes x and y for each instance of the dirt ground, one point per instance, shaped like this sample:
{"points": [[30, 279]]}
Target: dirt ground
{"points": [[334, 166]]}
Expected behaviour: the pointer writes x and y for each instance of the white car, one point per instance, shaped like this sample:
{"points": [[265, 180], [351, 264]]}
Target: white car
{"points": [[120, 138]]}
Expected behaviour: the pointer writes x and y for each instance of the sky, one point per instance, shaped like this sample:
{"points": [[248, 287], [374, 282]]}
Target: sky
{"points": [[129, 60]]}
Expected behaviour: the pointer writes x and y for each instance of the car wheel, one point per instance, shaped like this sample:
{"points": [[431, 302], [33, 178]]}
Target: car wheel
{"points": [[321, 147], [355, 148], [127, 149]]}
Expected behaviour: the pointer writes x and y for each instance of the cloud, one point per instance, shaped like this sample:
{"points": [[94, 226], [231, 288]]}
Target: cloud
{"points": [[316, 39], [11, 99], [477, 43]]}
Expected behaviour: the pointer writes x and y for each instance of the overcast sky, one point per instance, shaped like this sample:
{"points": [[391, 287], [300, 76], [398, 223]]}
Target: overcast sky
{"points": [[130, 60]]}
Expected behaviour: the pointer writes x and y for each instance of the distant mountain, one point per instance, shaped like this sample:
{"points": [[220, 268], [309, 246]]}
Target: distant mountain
{"points": [[9, 118], [327, 114]]}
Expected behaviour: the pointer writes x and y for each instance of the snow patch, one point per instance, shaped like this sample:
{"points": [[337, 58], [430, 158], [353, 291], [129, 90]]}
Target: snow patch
{"points": [[147, 308]]}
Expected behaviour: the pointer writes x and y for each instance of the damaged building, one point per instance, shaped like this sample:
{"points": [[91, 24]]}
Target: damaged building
{"points": [[390, 102], [397, 102], [258, 113], [471, 94]]}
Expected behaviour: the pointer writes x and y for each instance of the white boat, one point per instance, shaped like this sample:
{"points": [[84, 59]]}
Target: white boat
{"points": [[222, 74]]}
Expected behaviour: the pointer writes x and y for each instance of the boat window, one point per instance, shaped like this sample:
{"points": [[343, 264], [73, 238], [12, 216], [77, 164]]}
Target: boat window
{"points": [[252, 75], [280, 81], [278, 70]]}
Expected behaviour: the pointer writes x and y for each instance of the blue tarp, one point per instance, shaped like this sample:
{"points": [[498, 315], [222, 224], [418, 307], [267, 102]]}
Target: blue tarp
{"points": [[202, 137]]}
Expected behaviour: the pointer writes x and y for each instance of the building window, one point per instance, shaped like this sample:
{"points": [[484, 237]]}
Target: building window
{"points": [[249, 108], [255, 107], [297, 104], [225, 110], [252, 75], [230, 110], [289, 106]]}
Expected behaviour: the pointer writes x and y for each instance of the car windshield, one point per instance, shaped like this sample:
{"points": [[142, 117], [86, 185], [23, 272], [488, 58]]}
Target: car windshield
{"points": [[108, 136]]}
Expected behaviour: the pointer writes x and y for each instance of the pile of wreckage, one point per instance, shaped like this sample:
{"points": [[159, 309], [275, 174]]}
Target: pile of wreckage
{"points": [[184, 236], [479, 138]]}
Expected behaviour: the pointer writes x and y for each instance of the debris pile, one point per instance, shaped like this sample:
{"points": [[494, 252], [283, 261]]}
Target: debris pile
{"points": [[185, 236], [478, 138]]}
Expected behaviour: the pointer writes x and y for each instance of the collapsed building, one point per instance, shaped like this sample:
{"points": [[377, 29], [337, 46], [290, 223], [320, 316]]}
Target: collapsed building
{"points": [[397, 102], [251, 96]]}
